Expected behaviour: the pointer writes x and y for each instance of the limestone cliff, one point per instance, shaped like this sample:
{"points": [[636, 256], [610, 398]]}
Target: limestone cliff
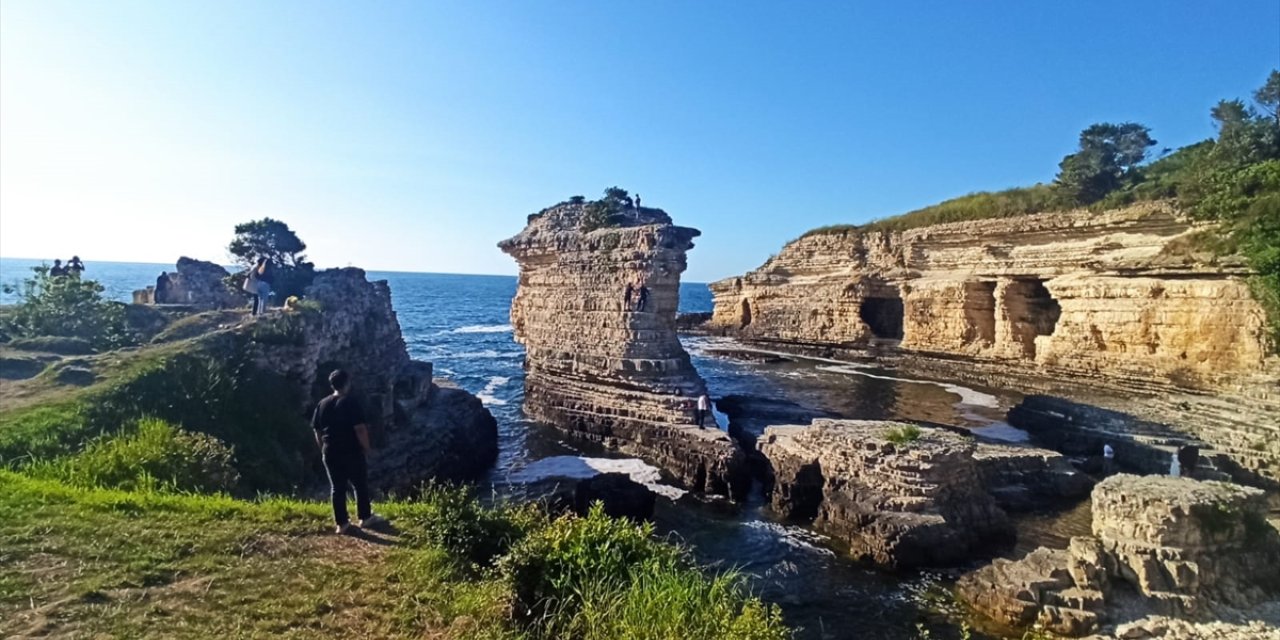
{"points": [[605, 368], [421, 428], [1106, 295]]}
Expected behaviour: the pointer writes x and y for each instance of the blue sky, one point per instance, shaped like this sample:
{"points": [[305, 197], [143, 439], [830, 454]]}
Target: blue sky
{"points": [[415, 135]]}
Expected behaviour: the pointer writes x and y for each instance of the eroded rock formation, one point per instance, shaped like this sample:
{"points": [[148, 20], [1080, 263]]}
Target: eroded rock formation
{"points": [[1181, 544], [422, 428], [1093, 294], [893, 498], [196, 282], [605, 369]]}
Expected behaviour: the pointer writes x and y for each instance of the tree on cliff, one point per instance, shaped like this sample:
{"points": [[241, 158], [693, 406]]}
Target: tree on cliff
{"points": [[1109, 155], [601, 213], [1268, 96], [275, 241], [270, 239]]}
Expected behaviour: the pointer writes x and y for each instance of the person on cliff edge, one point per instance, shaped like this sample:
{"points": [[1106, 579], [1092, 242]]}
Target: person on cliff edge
{"points": [[343, 437], [704, 407]]}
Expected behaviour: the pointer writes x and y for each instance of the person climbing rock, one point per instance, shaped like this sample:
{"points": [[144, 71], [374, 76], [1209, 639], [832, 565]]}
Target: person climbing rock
{"points": [[343, 437], [704, 407], [626, 295], [642, 300], [75, 267]]}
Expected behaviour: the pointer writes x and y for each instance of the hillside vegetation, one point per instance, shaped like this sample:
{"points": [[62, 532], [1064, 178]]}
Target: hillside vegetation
{"points": [[1233, 179], [134, 503]]}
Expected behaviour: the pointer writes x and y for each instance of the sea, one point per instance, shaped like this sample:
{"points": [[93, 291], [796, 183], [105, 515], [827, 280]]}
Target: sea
{"points": [[461, 324]]}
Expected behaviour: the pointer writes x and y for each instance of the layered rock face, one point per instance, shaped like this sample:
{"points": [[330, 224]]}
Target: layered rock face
{"points": [[1181, 544], [421, 428], [1075, 294], [196, 282], [892, 500], [605, 369]]}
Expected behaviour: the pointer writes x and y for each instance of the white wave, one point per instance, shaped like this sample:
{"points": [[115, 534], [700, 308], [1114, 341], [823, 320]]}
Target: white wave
{"points": [[486, 395], [581, 468], [793, 536], [487, 353], [483, 328]]}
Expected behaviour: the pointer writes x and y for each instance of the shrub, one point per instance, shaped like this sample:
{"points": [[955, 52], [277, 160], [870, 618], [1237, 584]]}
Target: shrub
{"points": [[903, 434], [597, 577], [153, 455], [62, 345], [67, 306], [451, 518]]}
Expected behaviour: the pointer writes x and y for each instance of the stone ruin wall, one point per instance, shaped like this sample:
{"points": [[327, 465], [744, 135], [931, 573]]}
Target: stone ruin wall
{"points": [[601, 370], [1078, 293]]}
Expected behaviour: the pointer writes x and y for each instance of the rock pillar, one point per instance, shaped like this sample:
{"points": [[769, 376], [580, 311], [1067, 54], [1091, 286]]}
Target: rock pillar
{"points": [[605, 367]]}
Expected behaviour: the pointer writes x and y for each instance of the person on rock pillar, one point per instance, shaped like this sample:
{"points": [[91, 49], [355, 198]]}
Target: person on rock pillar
{"points": [[637, 201], [626, 296], [642, 300], [343, 437], [704, 407]]}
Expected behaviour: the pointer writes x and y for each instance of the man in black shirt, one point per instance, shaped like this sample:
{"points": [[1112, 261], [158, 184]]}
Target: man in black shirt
{"points": [[343, 437]]}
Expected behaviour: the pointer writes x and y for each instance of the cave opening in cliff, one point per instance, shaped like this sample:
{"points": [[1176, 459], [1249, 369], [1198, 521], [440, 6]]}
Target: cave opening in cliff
{"points": [[1043, 309], [1033, 311], [746, 312], [980, 311], [883, 314]]}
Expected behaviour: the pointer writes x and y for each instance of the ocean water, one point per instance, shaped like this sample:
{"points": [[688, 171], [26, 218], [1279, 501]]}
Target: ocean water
{"points": [[461, 323]]}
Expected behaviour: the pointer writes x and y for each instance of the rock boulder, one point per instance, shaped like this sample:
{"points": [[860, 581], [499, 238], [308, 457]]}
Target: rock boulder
{"points": [[895, 494]]}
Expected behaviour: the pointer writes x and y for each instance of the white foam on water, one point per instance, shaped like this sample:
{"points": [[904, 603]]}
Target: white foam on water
{"points": [[483, 328], [793, 536], [486, 395], [487, 353], [581, 468]]}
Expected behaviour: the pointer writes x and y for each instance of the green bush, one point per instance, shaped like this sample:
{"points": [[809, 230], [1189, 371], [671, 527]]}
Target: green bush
{"points": [[66, 306], [597, 577], [153, 455], [63, 345], [903, 434], [451, 518]]}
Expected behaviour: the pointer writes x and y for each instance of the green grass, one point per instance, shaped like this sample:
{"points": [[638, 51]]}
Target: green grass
{"points": [[208, 386], [63, 345], [975, 206], [97, 562]]}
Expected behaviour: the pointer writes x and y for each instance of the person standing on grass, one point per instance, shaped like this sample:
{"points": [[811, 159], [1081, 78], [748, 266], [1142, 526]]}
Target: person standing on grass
{"points": [[704, 407], [343, 437]]}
